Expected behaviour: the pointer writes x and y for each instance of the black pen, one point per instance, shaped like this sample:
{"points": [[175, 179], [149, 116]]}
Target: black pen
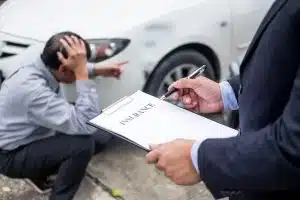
{"points": [[193, 75]]}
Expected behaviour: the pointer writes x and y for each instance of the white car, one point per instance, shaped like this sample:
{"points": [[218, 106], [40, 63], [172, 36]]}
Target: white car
{"points": [[163, 40]]}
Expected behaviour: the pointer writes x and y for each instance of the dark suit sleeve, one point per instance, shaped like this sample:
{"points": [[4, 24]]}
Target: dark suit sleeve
{"points": [[235, 84], [268, 159]]}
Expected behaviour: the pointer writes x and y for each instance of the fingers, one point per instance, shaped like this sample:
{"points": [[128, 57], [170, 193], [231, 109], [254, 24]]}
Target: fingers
{"points": [[72, 44], [117, 74], [183, 85], [82, 44], [176, 95], [189, 102], [186, 91], [66, 46], [152, 156], [76, 40], [194, 96], [186, 83], [187, 99], [116, 69], [79, 45], [70, 41], [180, 93], [172, 86], [61, 58], [122, 63]]}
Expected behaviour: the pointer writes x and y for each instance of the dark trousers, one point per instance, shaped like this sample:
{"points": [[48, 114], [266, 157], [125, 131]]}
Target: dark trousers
{"points": [[68, 156]]}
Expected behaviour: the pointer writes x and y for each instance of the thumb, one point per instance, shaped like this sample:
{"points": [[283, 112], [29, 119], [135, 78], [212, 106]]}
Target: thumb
{"points": [[154, 146]]}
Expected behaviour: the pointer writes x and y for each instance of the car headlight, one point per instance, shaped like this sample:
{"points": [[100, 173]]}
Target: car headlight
{"points": [[102, 49]]}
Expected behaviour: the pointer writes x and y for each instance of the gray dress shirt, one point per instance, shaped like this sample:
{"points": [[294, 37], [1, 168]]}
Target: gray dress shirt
{"points": [[31, 108]]}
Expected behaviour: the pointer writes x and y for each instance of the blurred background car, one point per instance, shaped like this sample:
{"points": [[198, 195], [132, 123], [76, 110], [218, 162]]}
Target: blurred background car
{"points": [[163, 40]]}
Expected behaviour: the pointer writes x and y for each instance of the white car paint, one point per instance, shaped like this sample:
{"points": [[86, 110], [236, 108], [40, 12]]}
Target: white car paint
{"points": [[154, 27]]}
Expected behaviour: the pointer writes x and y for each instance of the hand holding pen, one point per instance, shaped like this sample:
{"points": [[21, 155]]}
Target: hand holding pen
{"points": [[193, 75], [197, 93]]}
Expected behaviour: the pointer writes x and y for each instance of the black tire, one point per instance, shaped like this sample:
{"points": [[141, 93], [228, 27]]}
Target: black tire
{"points": [[173, 61]]}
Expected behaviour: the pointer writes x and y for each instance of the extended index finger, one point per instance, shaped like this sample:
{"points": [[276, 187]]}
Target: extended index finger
{"points": [[122, 63]]}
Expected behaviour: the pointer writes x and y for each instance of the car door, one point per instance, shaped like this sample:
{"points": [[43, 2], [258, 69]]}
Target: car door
{"points": [[246, 16]]}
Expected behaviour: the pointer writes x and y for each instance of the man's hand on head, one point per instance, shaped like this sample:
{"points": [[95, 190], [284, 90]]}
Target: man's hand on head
{"points": [[174, 159], [76, 60]]}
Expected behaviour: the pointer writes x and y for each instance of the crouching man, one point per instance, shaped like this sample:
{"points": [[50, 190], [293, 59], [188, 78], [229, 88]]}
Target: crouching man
{"points": [[40, 132]]}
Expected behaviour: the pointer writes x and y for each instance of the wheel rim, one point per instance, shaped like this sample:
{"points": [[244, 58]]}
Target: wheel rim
{"points": [[177, 73], [181, 71]]}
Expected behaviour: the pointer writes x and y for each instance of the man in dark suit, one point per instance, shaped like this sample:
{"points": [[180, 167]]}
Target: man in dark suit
{"points": [[263, 161]]}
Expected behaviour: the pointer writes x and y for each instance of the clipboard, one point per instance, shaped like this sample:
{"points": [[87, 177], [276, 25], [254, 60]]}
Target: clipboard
{"points": [[113, 108], [142, 119]]}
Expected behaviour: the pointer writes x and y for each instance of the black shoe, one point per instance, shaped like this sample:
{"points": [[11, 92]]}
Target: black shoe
{"points": [[42, 186]]}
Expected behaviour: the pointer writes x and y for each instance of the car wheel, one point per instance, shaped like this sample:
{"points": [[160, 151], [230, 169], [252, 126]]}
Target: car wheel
{"points": [[177, 66]]}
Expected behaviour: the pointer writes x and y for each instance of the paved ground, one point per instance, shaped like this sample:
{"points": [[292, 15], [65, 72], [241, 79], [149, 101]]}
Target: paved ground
{"points": [[20, 190], [122, 166]]}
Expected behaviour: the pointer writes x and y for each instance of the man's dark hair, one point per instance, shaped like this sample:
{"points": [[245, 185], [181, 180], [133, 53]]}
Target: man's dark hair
{"points": [[49, 54]]}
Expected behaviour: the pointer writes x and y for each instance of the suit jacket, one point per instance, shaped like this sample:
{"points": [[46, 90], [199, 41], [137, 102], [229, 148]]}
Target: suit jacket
{"points": [[263, 162]]}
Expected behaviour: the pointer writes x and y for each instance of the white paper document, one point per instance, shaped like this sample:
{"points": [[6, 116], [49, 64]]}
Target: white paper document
{"points": [[143, 119]]}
